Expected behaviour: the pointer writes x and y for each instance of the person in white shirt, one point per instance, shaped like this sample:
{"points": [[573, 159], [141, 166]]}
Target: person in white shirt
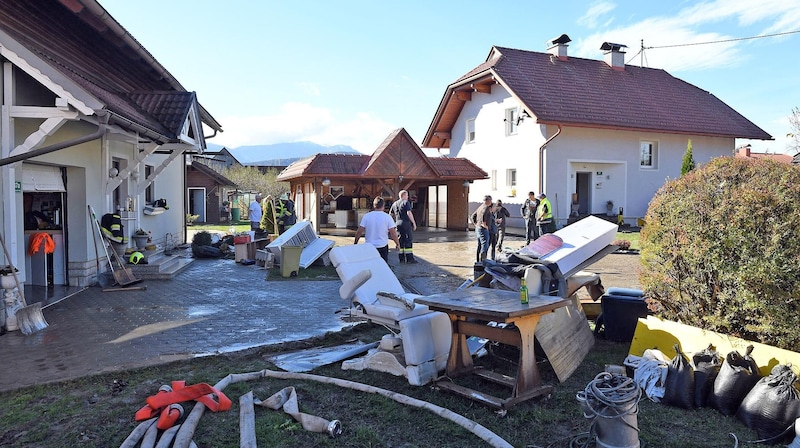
{"points": [[255, 213], [378, 226]]}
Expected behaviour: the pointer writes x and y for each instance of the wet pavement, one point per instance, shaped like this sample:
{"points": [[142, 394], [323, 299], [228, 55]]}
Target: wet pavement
{"points": [[214, 306]]}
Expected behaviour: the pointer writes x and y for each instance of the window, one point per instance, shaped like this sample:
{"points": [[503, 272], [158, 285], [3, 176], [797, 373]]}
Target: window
{"points": [[494, 180], [470, 130], [512, 115], [648, 155], [149, 192], [511, 178]]}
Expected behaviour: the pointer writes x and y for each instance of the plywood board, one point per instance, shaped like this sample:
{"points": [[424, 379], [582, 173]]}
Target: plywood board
{"points": [[653, 332], [566, 338]]}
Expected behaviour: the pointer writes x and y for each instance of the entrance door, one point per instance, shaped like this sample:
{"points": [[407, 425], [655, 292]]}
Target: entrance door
{"points": [[437, 206], [197, 203], [583, 182]]}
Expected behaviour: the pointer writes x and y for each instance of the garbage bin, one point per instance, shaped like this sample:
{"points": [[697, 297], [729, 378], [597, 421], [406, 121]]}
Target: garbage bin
{"points": [[290, 260], [235, 214]]}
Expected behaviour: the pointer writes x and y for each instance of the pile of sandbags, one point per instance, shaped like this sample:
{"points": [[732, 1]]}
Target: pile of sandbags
{"points": [[733, 386]]}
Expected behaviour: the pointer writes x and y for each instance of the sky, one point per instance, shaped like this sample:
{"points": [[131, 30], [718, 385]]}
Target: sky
{"points": [[349, 72]]}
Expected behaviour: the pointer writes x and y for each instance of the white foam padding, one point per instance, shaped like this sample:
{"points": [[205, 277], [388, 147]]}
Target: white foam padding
{"points": [[582, 240], [352, 259], [427, 338]]}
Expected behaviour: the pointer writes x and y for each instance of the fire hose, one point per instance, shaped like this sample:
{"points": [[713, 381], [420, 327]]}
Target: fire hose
{"points": [[183, 439]]}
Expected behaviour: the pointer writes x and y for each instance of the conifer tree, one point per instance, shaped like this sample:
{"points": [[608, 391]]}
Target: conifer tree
{"points": [[688, 161]]}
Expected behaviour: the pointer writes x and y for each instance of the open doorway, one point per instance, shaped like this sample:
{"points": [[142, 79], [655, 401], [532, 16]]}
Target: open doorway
{"points": [[583, 182], [197, 203]]}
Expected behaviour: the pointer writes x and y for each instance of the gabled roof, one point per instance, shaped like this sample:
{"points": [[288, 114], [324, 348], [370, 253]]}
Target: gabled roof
{"points": [[589, 93], [79, 40], [398, 155], [217, 177]]}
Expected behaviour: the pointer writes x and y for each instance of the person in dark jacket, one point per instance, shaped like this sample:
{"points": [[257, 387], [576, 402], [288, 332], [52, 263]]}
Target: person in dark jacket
{"points": [[500, 215], [528, 212]]}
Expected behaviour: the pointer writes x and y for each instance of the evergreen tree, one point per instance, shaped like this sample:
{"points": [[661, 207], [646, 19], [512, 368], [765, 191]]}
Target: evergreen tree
{"points": [[688, 161]]}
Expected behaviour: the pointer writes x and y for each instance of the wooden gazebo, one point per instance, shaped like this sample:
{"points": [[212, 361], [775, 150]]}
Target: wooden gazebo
{"points": [[333, 191]]}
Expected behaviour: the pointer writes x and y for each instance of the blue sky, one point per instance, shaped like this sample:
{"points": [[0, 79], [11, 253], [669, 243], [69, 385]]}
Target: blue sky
{"points": [[351, 71]]}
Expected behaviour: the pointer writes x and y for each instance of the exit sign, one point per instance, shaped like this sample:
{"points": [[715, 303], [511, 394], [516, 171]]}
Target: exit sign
{"points": [[17, 187]]}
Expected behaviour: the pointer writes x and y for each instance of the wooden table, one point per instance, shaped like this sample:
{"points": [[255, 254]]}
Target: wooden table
{"points": [[470, 310]]}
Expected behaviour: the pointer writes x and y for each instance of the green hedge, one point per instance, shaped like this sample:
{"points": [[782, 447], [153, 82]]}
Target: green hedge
{"points": [[721, 250]]}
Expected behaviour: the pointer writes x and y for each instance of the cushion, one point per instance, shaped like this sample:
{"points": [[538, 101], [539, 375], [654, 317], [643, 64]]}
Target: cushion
{"points": [[350, 260]]}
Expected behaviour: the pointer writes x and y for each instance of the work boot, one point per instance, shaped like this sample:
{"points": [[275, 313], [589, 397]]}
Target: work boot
{"points": [[411, 259]]}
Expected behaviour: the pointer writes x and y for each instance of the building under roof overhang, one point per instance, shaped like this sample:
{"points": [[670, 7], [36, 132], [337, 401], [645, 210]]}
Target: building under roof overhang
{"points": [[333, 191]]}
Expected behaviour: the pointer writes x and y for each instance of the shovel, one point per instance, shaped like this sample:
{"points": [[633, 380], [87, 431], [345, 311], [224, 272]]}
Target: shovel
{"points": [[123, 276], [29, 318]]}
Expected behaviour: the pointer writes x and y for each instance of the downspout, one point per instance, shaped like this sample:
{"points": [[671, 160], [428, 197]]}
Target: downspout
{"points": [[541, 158], [101, 130]]}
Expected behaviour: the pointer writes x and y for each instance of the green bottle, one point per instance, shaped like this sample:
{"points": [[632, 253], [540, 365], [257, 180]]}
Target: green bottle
{"points": [[523, 292]]}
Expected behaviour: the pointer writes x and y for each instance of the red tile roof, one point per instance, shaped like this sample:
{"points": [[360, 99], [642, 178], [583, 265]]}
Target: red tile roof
{"points": [[589, 93], [83, 42]]}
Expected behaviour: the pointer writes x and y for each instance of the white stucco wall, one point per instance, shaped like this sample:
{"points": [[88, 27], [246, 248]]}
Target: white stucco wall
{"points": [[610, 157]]}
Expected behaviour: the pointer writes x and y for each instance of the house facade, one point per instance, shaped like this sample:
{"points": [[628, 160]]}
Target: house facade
{"points": [[596, 136], [90, 122]]}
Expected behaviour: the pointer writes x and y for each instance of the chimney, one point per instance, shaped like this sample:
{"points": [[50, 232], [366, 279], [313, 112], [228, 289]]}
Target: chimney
{"points": [[614, 55], [744, 151], [558, 46]]}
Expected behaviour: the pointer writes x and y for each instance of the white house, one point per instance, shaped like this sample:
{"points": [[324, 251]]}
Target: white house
{"points": [[586, 132], [89, 118]]}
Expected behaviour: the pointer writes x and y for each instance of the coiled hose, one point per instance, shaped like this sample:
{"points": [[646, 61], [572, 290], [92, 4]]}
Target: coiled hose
{"points": [[609, 397]]}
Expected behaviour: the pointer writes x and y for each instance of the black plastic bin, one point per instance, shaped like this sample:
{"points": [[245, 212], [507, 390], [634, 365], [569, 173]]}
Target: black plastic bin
{"points": [[621, 309]]}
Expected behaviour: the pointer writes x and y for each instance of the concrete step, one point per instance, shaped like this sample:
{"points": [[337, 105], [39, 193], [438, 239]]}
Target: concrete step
{"points": [[160, 266]]}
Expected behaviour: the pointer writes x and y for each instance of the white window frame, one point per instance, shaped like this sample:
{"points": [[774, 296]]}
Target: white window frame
{"points": [[470, 131], [150, 191], [648, 155], [494, 180], [511, 177], [512, 123]]}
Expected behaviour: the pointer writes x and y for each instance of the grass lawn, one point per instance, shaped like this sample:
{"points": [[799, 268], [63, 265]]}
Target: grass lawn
{"points": [[98, 411]]}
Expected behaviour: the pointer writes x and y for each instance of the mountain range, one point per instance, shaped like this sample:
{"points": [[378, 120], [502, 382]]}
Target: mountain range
{"points": [[281, 154]]}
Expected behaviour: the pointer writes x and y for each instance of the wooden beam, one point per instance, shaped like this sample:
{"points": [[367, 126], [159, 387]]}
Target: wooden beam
{"points": [[463, 95], [482, 88]]}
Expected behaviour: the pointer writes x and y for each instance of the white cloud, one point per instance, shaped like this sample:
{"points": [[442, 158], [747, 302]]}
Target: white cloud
{"points": [[304, 122], [691, 26], [594, 13]]}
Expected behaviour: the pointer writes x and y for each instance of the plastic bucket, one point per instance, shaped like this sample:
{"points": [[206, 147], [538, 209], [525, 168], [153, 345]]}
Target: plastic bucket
{"points": [[235, 214]]}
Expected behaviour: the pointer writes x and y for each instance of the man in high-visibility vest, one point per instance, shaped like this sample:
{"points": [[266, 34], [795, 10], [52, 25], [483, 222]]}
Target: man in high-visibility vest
{"points": [[544, 215]]}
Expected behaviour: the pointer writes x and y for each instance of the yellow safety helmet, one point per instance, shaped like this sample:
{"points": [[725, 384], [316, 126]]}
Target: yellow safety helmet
{"points": [[136, 257]]}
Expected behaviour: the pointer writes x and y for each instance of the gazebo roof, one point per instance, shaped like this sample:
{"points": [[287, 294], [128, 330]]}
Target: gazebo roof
{"points": [[397, 156]]}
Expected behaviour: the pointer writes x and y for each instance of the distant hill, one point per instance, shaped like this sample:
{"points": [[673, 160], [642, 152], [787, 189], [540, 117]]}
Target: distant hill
{"points": [[281, 154]]}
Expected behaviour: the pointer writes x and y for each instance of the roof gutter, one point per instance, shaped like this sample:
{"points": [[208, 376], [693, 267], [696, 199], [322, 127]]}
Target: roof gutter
{"points": [[101, 130], [541, 158]]}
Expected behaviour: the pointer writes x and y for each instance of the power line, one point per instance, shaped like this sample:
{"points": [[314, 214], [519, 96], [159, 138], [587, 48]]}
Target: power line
{"points": [[725, 40], [643, 48]]}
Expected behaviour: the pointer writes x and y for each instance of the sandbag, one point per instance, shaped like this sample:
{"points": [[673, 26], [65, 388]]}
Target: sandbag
{"points": [[679, 387], [736, 377], [707, 363], [772, 404]]}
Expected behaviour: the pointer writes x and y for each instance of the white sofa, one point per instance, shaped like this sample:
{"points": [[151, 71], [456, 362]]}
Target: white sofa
{"points": [[425, 335]]}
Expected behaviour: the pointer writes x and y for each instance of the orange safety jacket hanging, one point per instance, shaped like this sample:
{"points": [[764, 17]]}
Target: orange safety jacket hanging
{"points": [[36, 242]]}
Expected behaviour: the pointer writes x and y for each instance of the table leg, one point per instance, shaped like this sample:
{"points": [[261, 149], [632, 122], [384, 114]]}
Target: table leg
{"points": [[528, 378], [459, 360]]}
